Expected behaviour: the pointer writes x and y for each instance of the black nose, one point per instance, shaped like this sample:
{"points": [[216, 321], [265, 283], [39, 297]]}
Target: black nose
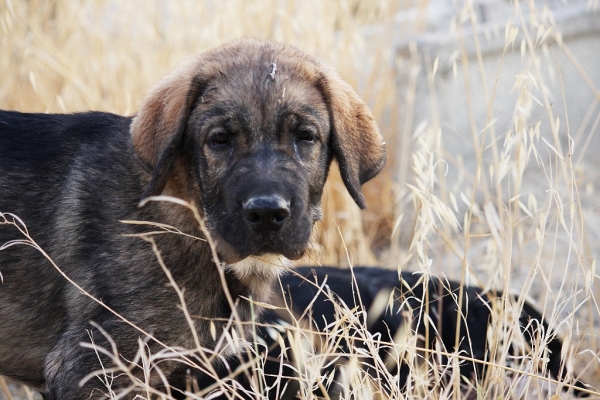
{"points": [[266, 213]]}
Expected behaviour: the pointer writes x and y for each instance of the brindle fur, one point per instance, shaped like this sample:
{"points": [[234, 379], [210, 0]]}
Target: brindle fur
{"points": [[244, 121]]}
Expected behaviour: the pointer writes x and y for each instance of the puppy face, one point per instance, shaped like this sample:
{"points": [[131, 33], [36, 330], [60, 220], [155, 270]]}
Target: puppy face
{"points": [[259, 124], [260, 135]]}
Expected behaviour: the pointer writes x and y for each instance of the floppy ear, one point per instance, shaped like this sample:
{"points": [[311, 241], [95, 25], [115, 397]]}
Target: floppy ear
{"points": [[157, 131], [356, 142]]}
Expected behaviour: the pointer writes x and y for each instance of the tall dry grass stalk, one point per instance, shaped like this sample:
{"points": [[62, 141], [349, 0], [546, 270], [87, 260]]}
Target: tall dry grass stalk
{"points": [[461, 204]]}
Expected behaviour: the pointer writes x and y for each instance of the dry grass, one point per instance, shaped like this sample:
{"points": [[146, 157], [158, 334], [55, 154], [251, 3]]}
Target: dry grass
{"points": [[488, 221]]}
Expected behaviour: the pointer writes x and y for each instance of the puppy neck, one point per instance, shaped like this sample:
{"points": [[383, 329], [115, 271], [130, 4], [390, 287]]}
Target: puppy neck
{"points": [[259, 272]]}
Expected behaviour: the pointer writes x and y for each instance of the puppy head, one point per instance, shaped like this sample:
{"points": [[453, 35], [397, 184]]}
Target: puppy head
{"points": [[259, 124]]}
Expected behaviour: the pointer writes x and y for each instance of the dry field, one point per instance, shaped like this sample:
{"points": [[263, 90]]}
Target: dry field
{"points": [[515, 211]]}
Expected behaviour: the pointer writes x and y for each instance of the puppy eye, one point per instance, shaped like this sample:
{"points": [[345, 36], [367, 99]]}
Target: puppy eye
{"points": [[305, 135], [219, 139]]}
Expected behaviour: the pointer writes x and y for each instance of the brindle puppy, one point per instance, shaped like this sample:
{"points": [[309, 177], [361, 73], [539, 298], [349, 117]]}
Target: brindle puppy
{"points": [[245, 132]]}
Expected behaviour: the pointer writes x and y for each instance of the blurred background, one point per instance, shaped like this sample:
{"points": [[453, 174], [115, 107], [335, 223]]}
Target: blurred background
{"points": [[490, 110]]}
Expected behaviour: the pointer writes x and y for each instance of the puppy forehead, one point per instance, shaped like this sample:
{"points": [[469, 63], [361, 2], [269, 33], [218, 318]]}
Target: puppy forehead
{"points": [[265, 87]]}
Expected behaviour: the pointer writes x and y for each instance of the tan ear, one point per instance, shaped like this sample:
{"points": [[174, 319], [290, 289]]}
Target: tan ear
{"points": [[357, 144], [157, 131]]}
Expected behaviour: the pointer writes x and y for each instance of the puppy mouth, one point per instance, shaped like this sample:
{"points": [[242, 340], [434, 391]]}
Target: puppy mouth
{"points": [[234, 245], [265, 249], [290, 254], [230, 254]]}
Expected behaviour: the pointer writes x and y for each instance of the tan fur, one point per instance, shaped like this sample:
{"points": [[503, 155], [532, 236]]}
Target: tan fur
{"points": [[356, 134], [162, 112], [260, 272]]}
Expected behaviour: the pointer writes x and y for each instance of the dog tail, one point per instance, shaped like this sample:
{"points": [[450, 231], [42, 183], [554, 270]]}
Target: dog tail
{"points": [[530, 321]]}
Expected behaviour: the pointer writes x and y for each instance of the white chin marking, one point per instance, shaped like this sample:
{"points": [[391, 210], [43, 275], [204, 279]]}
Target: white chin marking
{"points": [[267, 266]]}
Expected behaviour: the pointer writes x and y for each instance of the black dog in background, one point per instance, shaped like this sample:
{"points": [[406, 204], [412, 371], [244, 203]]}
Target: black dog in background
{"points": [[309, 291]]}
